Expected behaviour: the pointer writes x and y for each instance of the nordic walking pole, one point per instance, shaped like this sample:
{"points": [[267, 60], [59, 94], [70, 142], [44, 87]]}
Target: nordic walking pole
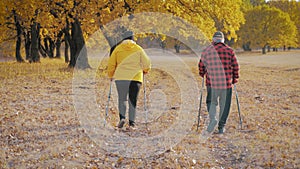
{"points": [[107, 104], [238, 105], [145, 109], [200, 103]]}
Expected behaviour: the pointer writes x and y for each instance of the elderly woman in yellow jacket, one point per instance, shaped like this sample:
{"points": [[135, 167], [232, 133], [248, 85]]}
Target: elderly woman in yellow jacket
{"points": [[126, 65]]}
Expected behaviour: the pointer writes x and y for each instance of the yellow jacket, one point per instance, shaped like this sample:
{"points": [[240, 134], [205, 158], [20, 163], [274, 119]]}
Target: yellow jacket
{"points": [[128, 62]]}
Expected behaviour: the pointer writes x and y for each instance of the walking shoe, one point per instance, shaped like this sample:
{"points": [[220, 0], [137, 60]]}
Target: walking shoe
{"points": [[221, 130], [211, 126], [121, 123], [132, 125]]}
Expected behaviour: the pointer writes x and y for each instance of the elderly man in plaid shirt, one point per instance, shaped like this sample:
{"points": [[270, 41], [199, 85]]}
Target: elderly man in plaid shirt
{"points": [[219, 64]]}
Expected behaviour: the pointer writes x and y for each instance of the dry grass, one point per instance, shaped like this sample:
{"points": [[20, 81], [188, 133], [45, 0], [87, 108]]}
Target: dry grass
{"points": [[40, 129]]}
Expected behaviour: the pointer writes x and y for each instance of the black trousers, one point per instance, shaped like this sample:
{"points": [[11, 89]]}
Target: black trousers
{"points": [[221, 97], [131, 89]]}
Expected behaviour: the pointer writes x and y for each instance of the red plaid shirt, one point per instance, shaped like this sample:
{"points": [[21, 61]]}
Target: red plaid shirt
{"points": [[219, 63]]}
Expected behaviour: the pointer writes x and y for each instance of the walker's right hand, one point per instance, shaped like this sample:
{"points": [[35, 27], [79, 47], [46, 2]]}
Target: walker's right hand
{"points": [[234, 81]]}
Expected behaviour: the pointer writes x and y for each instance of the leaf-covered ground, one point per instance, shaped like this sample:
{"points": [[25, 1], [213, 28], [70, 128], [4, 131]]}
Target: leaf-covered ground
{"points": [[39, 126]]}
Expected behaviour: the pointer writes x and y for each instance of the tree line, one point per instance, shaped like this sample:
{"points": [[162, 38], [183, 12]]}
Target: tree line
{"points": [[40, 27]]}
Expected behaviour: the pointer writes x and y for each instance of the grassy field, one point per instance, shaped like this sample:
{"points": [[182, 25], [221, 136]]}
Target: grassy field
{"points": [[39, 126]]}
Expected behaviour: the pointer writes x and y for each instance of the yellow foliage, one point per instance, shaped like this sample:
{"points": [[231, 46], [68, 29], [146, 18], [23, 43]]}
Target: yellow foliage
{"points": [[202, 16], [268, 26]]}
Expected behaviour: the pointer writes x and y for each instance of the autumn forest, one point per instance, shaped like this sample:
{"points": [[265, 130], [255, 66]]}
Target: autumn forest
{"points": [[39, 28]]}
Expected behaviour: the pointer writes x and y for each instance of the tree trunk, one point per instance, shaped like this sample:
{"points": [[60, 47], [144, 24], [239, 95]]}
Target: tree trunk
{"points": [[163, 45], [71, 44], [46, 46], [269, 48], [19, 40], [111, 41], [27, 44], [79, 57], [51, 48], [67, 60], [177, 48], [246, 46], [264, 50], [58, 44], [42, 50], [34, 50], [18, 49]]}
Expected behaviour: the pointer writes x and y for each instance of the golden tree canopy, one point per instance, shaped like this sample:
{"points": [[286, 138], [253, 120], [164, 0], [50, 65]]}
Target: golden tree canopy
{"points": [[268, 26]]}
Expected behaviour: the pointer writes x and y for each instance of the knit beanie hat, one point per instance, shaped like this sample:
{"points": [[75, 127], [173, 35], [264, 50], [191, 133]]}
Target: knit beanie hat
{"points": [[218, 37], [128, 35]]}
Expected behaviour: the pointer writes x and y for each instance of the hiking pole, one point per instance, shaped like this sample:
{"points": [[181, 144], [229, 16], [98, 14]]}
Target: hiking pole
{"points": [[200, 103], [107, 104], [238, 105], [144, 86]]}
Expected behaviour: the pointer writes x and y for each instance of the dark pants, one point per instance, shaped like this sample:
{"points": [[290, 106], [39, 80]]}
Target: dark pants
{"points": [[131, 89], [221, 97]]}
